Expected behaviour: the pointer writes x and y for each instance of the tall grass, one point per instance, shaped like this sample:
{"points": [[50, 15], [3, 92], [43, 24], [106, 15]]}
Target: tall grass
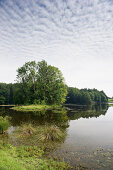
{"points": [[4, 123], [43, 132], [50, 133]]}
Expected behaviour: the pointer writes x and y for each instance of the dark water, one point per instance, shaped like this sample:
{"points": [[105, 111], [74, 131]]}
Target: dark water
{"points": [[89, 140]]}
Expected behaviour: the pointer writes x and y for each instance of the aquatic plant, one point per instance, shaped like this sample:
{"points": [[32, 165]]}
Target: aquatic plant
{"points": [[27, 130], [29, 151], [51, 133], [27, 157], [4, 124], [43, 132]]}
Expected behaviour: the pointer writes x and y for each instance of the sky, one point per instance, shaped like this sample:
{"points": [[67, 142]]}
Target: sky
{"points": [[74, 35]]}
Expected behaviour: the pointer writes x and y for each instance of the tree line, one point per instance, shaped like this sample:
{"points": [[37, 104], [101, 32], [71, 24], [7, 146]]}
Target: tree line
{"points": [[85, 96], [40, 83]]}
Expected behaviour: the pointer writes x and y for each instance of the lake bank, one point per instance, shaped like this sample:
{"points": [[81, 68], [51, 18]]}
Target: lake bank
{"points": [[27, 157]]}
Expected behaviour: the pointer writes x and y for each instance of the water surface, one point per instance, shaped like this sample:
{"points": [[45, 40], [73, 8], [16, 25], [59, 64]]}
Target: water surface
{"points": [[89, 140]]}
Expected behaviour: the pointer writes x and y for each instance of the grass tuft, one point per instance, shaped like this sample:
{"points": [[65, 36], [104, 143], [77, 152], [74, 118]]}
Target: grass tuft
{"points": [[51, 132]]}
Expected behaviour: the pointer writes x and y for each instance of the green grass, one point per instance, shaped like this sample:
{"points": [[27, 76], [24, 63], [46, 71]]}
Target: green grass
{"points": [[4, 123], [35, 108], [27, 158], [8, 162]]}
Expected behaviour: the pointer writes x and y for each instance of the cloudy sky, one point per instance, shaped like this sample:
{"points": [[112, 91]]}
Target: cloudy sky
{"points": [[74, 35]]}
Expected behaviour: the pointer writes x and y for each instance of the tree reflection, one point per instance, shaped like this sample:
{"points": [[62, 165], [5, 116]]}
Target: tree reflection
{"points": [[87, 112]]}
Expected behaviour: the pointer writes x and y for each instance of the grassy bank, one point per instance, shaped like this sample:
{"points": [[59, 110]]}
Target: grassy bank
{"points": [[26, 158], [4, 124], [32, 145], [35, 108]]}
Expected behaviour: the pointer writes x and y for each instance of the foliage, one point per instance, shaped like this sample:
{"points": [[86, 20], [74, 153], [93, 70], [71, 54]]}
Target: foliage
{"points": [[85, 96], [26, 157], [40, 83], [29, 151], [4, 123], [6, 94]]}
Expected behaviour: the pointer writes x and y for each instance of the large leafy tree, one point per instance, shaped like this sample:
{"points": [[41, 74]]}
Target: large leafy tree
{"points": [[41, 82], [51, 86], [27, 79]]}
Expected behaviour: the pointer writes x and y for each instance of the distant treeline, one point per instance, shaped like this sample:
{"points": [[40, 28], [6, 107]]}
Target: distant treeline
{"points": [[85, 96], [6, 93], [9, 94]]}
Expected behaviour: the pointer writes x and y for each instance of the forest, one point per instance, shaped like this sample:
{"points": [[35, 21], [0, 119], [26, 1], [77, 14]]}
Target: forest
{"points": [[40, 83], [9, 95], [85, 96]]}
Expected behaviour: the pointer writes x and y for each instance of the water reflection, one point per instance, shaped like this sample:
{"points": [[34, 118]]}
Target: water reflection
{"points": [[55, 117], [77, 112], [89, 139]]}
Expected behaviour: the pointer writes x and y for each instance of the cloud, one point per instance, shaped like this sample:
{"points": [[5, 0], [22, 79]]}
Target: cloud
{"points": [[63, 32]]}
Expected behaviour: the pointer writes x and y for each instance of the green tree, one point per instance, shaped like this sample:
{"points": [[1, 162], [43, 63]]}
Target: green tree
{"points": [[85, 96], [51, 86], [27, 79], [4, 93], [41, 82], [2, 100]]}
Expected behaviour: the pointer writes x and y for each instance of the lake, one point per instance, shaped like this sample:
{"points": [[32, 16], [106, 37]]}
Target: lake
{"points": [[89, 134]]}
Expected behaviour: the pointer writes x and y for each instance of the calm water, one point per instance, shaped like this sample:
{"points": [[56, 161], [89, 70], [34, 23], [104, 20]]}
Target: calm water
{"points": [[89, 140]]}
